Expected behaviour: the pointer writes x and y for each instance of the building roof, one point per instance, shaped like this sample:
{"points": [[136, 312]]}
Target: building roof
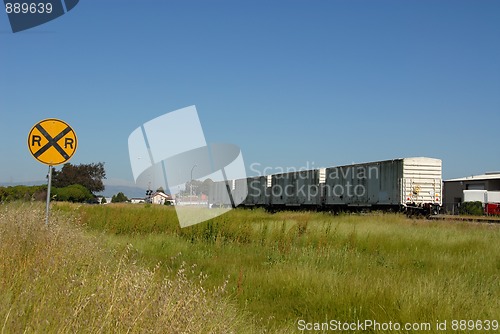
{"points": [[482, 177], [159, 193]]}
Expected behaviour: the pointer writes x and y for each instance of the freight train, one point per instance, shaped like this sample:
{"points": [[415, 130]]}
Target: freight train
{"points": [[406, 184]]}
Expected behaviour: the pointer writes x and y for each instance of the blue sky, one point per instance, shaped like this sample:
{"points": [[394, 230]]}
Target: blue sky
{"points": [[291, 82]]}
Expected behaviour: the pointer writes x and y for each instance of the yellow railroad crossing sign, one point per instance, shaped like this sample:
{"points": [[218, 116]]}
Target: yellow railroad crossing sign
{"points": [[52, 141]]}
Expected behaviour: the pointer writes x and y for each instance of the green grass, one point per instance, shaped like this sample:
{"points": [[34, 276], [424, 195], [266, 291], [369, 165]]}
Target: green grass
{"points": [[61, 279], [300, 265]]}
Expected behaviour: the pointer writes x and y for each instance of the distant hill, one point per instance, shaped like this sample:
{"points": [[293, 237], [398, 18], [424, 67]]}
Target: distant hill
{"points": [[28, 183], [109, 190], [130, 192]]}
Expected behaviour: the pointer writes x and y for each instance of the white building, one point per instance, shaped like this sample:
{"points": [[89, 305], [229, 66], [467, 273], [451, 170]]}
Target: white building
{"points": [[160, 198], [137, 200], [484, 188]]}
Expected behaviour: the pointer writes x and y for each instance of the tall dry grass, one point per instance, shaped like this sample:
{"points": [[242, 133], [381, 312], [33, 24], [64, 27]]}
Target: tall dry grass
{"points": [[58, 279]]}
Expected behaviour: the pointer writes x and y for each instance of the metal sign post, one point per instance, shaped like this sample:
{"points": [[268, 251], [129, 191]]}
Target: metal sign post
{"points": [[51, 142], [48, 196]]}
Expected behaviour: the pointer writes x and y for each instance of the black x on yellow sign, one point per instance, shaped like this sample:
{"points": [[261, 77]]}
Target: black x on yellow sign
{"points": [[52, 141]]}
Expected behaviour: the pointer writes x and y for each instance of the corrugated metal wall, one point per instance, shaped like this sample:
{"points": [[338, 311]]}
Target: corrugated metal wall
{"points": [[422, 180]]}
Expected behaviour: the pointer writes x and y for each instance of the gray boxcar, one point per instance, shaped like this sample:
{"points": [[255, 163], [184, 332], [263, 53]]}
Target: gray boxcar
{"points": [[299, 188], [218, 195], [257, 191], [219, 192], [398, 183]]}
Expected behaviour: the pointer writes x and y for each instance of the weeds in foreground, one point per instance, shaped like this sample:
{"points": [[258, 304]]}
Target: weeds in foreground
{"points": [[58, 279]]}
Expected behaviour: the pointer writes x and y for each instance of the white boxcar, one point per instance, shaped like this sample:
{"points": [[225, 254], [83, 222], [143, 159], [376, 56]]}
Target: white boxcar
{"points": [[399, 182], [422, 181]]}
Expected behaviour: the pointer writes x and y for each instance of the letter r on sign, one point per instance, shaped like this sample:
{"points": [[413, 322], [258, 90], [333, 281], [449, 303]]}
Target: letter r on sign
{"points": [[68, 142], [36, 139]]}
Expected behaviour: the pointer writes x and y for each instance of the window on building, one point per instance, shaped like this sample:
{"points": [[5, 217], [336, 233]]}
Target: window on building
{"points": [[475, 186]]}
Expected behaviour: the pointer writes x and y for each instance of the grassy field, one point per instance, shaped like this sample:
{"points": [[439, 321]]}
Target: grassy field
{"points": [[255, 271], [63, 280], [289, 266]]}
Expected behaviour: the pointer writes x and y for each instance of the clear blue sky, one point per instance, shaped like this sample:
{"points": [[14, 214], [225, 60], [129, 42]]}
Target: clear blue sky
{"points": [[290, 82]]}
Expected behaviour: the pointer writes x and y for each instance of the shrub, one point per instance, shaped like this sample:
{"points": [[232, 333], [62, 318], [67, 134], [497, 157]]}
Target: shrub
{"points": [[472, 208], [8, 194], [72, 193]]}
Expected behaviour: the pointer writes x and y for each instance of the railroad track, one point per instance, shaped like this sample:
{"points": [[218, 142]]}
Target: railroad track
{"points": [[481, 219]]}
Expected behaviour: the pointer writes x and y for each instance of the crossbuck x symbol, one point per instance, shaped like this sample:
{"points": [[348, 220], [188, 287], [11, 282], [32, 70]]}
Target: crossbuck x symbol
{"points": [[52, 142]]}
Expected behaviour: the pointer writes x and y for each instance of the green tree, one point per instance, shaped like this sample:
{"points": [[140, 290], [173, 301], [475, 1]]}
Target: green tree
{"points": [[205, 186], [193, 186], [119, 198], [199, 187], [88, 175]]}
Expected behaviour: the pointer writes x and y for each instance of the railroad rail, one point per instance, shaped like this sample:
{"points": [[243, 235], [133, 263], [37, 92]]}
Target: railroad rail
{"points": [[481, 219]]}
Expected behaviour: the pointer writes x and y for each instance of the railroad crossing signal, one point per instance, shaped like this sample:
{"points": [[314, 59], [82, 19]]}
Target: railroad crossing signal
{"points": [[52, 141]]}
